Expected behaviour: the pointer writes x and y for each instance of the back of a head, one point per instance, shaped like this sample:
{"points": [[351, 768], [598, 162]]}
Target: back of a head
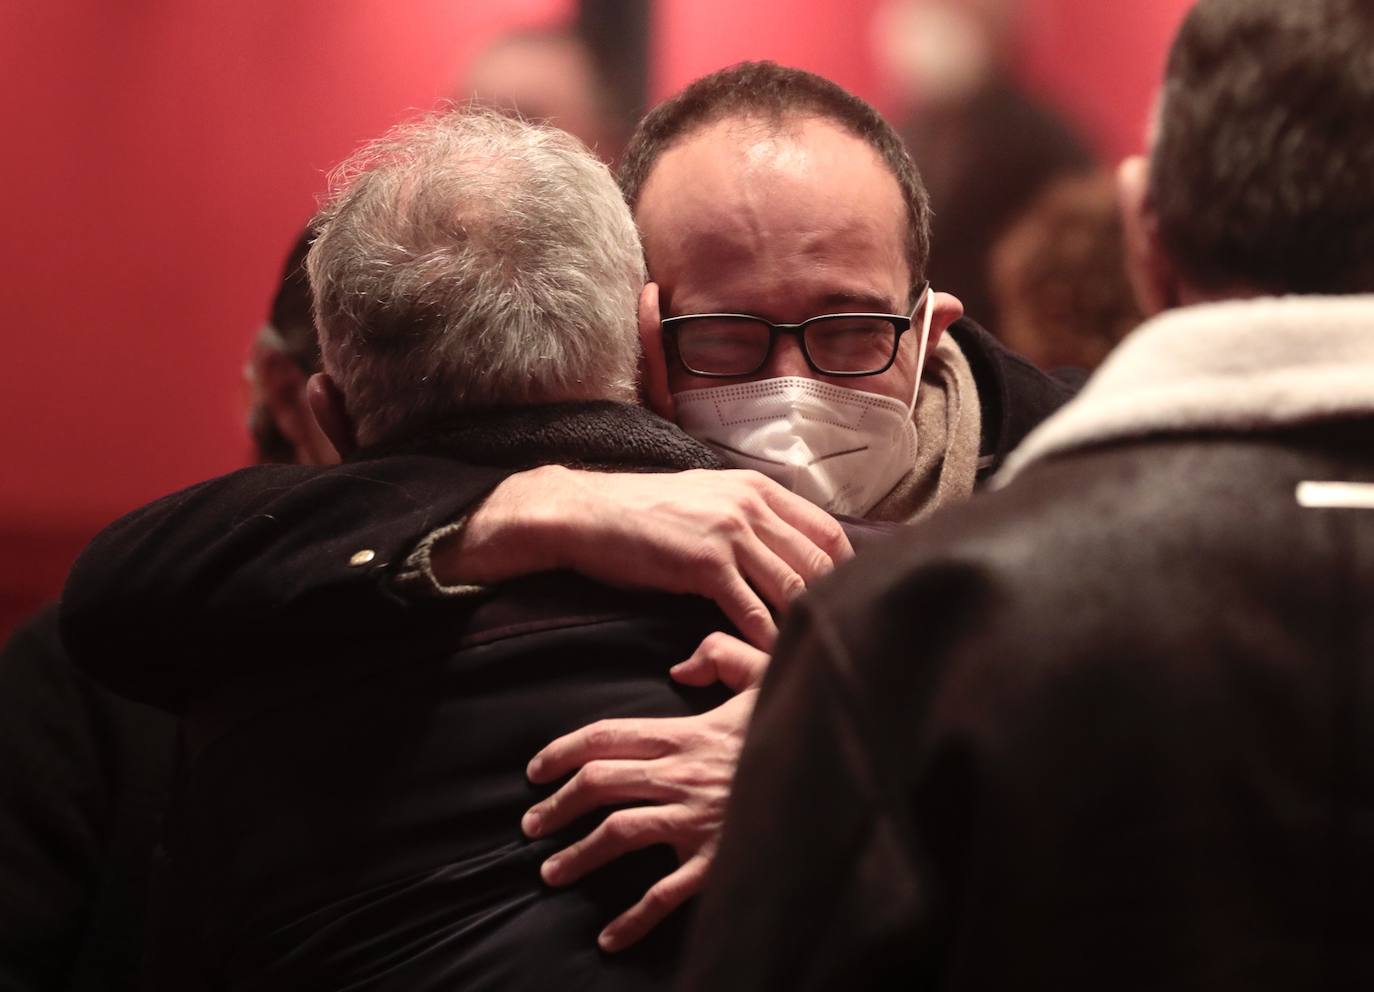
{"points": [[774, 95], [468, 260], [1059, 276], [1261, 170]]}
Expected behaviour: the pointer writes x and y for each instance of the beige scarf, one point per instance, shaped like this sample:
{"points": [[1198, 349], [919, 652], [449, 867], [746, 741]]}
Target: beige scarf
{"points": [[948, 435]]}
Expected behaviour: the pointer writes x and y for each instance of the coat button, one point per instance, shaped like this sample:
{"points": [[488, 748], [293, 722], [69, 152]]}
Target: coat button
{"points": [[362, 557]]}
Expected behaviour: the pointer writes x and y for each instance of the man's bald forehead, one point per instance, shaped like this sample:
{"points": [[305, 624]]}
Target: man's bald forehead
{"points": [[766, 96]]}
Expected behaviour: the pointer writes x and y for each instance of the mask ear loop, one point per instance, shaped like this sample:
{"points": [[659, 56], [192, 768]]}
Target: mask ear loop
{"points": [[921, 353]]}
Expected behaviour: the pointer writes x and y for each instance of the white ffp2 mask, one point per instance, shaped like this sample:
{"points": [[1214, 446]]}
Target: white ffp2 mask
{"points": [[842, 449]]}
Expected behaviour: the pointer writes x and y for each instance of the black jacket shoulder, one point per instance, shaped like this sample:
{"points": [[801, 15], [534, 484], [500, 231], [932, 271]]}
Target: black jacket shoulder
{"points": [[1013, 394]]}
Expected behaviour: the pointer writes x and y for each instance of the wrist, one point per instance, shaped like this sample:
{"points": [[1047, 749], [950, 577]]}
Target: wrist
{"points": [[509, 534]]}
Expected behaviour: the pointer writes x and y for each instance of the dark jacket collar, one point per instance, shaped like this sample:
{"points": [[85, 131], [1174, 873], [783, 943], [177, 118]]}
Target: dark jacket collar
{"points": [[592, 435], [1013, 395]]}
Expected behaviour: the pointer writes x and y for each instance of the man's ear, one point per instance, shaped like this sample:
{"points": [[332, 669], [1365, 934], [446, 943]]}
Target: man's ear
{"points": [[948, 309], [653, 368], [326, 403], [1151, 275]]}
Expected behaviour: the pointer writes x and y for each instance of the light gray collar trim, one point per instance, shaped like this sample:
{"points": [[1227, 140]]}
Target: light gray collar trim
{"points": [[1237, 366]]}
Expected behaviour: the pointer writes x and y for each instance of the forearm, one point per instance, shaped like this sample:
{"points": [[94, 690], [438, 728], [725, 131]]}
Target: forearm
{"points": [[524, 527]]}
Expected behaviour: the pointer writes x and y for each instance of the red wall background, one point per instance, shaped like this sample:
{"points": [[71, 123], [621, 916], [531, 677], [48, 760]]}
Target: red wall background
{"points": [[1100, 61], [161, 156]]}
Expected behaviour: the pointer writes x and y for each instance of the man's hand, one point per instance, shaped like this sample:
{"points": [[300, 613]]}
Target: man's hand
{"points": [[684, 765], [735, 537], [724, 659]]}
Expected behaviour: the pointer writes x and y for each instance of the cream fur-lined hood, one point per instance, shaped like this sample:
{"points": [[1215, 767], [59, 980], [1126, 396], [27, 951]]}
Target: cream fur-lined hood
{"points": [[1238, 366]]}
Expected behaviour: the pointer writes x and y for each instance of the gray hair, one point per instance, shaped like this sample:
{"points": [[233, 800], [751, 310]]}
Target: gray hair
{"points": [[469, 260]]}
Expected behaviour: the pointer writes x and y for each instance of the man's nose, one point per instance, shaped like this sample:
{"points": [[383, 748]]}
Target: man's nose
{"points": [[787, 359]]}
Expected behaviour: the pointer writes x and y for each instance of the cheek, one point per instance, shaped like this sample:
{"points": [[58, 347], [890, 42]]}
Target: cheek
{"points": [[890, 384], [896, 382], [681, 381]]}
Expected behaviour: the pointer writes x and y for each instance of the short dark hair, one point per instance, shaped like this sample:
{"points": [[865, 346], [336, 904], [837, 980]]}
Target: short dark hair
{"points": [[1059, 275], [1263, 166], [768, 92]]}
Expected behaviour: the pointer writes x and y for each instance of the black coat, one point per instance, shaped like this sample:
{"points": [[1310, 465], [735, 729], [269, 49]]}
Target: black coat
{"points": [[84, 780], [1110, 728], [354, 820], [271, 551], [352, 783]]}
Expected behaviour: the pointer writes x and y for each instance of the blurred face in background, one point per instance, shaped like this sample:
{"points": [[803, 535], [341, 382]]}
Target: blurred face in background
{"points": [[936, 52], [545, 77], [781, 223]]}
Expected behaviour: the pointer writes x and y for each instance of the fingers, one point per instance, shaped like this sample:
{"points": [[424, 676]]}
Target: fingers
{"points": [[665, 896], [809, 540], [743, 607], [779, 543], [600, 783], [722, 658], [823, 530], [627, 738], [623, 831], [806, 537], [766, 568]]}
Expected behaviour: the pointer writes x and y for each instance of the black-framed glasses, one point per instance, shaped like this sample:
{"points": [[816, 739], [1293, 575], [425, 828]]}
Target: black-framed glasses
{"points": [[731, 345]]}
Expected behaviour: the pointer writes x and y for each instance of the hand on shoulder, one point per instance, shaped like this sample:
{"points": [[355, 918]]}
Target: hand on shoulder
{"points": [[735, 537]]}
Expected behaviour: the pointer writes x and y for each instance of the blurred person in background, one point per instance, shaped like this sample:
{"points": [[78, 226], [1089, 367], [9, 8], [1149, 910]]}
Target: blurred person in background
{"points": [[85, 774], [284, 355], [1059, 276], [549, 75], [985, 146], [1110, 726]]}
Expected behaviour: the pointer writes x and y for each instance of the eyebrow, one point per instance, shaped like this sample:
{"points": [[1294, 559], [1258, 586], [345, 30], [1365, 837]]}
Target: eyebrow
{"points": [[862, 301], [839, 301]]}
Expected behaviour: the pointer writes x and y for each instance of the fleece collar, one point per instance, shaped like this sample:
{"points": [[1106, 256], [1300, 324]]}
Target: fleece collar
{"points": [[1241, 366]]}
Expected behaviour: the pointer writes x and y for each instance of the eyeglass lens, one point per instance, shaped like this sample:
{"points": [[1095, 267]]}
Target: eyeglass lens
{"points": [[739, 345]]}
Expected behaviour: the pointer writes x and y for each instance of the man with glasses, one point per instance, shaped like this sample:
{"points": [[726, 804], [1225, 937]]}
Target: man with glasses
{"points": [[787, 234], [788, 325]]}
